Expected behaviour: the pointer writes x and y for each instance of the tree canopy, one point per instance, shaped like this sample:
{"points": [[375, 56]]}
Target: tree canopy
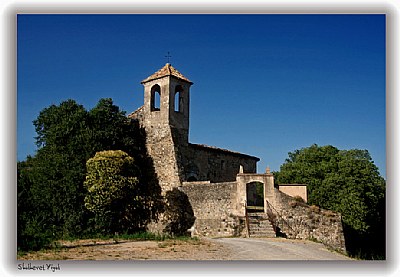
{"points": [[113, 193], [50, 184], [346, 181]]}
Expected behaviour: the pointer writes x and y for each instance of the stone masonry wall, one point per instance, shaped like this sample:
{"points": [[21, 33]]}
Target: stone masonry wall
{"points": [[300, 221], [213, 205], [213, 164], [161, 148]]}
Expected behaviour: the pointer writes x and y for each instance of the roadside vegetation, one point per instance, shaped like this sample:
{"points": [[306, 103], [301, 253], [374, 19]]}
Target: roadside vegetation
{"points": [[348, 182], [105, 247]]}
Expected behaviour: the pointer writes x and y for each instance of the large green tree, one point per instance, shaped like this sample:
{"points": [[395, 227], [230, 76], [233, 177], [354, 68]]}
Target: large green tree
{"points": [[50, 184], [346, 181], [30, 232], [113, 193]]}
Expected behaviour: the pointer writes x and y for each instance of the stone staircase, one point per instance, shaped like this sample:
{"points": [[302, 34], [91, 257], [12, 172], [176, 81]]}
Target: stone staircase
{"points": [[260, 226]]}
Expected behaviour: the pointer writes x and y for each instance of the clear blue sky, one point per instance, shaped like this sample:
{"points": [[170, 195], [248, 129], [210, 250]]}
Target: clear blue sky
{"points": [[264, 85]]}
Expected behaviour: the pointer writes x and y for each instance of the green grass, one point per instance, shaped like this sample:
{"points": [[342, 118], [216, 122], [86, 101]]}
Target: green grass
{"points": [[151, 236], [140, 236], [116, 237], [313, 239]]}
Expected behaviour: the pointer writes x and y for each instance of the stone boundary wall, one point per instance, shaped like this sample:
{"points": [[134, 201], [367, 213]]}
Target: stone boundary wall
{"points": [[214, 205], [309, 222]]}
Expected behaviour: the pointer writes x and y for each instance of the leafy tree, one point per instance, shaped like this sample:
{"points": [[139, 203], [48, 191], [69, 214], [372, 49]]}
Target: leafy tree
{"points": [[30, 235], [110, 129], [112, 192], [50, 184], [58, 171], [346, 181]]}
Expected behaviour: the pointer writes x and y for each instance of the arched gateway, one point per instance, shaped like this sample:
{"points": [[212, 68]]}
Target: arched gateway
{"points": [[246, 187], [255, 195]]}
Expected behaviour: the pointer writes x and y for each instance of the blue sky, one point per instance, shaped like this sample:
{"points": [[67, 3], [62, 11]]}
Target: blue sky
{"points": [[264, 85]]}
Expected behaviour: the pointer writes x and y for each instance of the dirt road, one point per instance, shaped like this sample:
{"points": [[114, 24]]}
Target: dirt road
{"points": [[277, 249], [202, 249], [134, 250]]}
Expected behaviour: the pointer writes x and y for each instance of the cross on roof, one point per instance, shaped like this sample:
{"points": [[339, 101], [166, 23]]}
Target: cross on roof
{"points": [[168, 56]]}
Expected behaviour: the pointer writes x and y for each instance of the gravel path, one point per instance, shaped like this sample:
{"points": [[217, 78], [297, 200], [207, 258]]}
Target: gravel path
{"points": [[203, 249], [277, 249]]}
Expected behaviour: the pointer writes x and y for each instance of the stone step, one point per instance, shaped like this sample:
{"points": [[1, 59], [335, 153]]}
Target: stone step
{"points": [[267, 225], [260, 223], [257, 215], [267, 230], [255, 220], [262, 231], [263, 235], [260, 226]]}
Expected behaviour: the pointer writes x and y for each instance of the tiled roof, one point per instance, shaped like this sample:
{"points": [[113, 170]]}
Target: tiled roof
{"points": [[282, 185], [213, 148], [167, 70], [134, 113]]}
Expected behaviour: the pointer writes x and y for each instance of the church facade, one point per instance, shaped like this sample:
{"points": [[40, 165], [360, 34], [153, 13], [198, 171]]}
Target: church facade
{"points": [[221, 185]]}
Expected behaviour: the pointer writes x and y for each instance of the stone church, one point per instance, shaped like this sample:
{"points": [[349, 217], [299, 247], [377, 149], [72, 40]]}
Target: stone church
{"points": [[220, 184]]}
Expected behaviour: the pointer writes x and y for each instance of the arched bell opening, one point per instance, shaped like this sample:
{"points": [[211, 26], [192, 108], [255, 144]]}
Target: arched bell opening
{"points": [[155, 98]]}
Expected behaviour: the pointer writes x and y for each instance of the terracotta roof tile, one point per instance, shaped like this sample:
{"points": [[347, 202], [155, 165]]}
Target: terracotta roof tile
{"points": [[282, 185], [167, 70]]}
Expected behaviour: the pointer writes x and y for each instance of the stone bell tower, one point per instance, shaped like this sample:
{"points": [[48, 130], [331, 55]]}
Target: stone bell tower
{"points": [[166, 101], [165, 118]]}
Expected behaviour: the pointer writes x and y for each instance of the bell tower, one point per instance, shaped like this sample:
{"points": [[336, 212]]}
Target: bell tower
{"points": [[165, 118], [166, 101]]}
